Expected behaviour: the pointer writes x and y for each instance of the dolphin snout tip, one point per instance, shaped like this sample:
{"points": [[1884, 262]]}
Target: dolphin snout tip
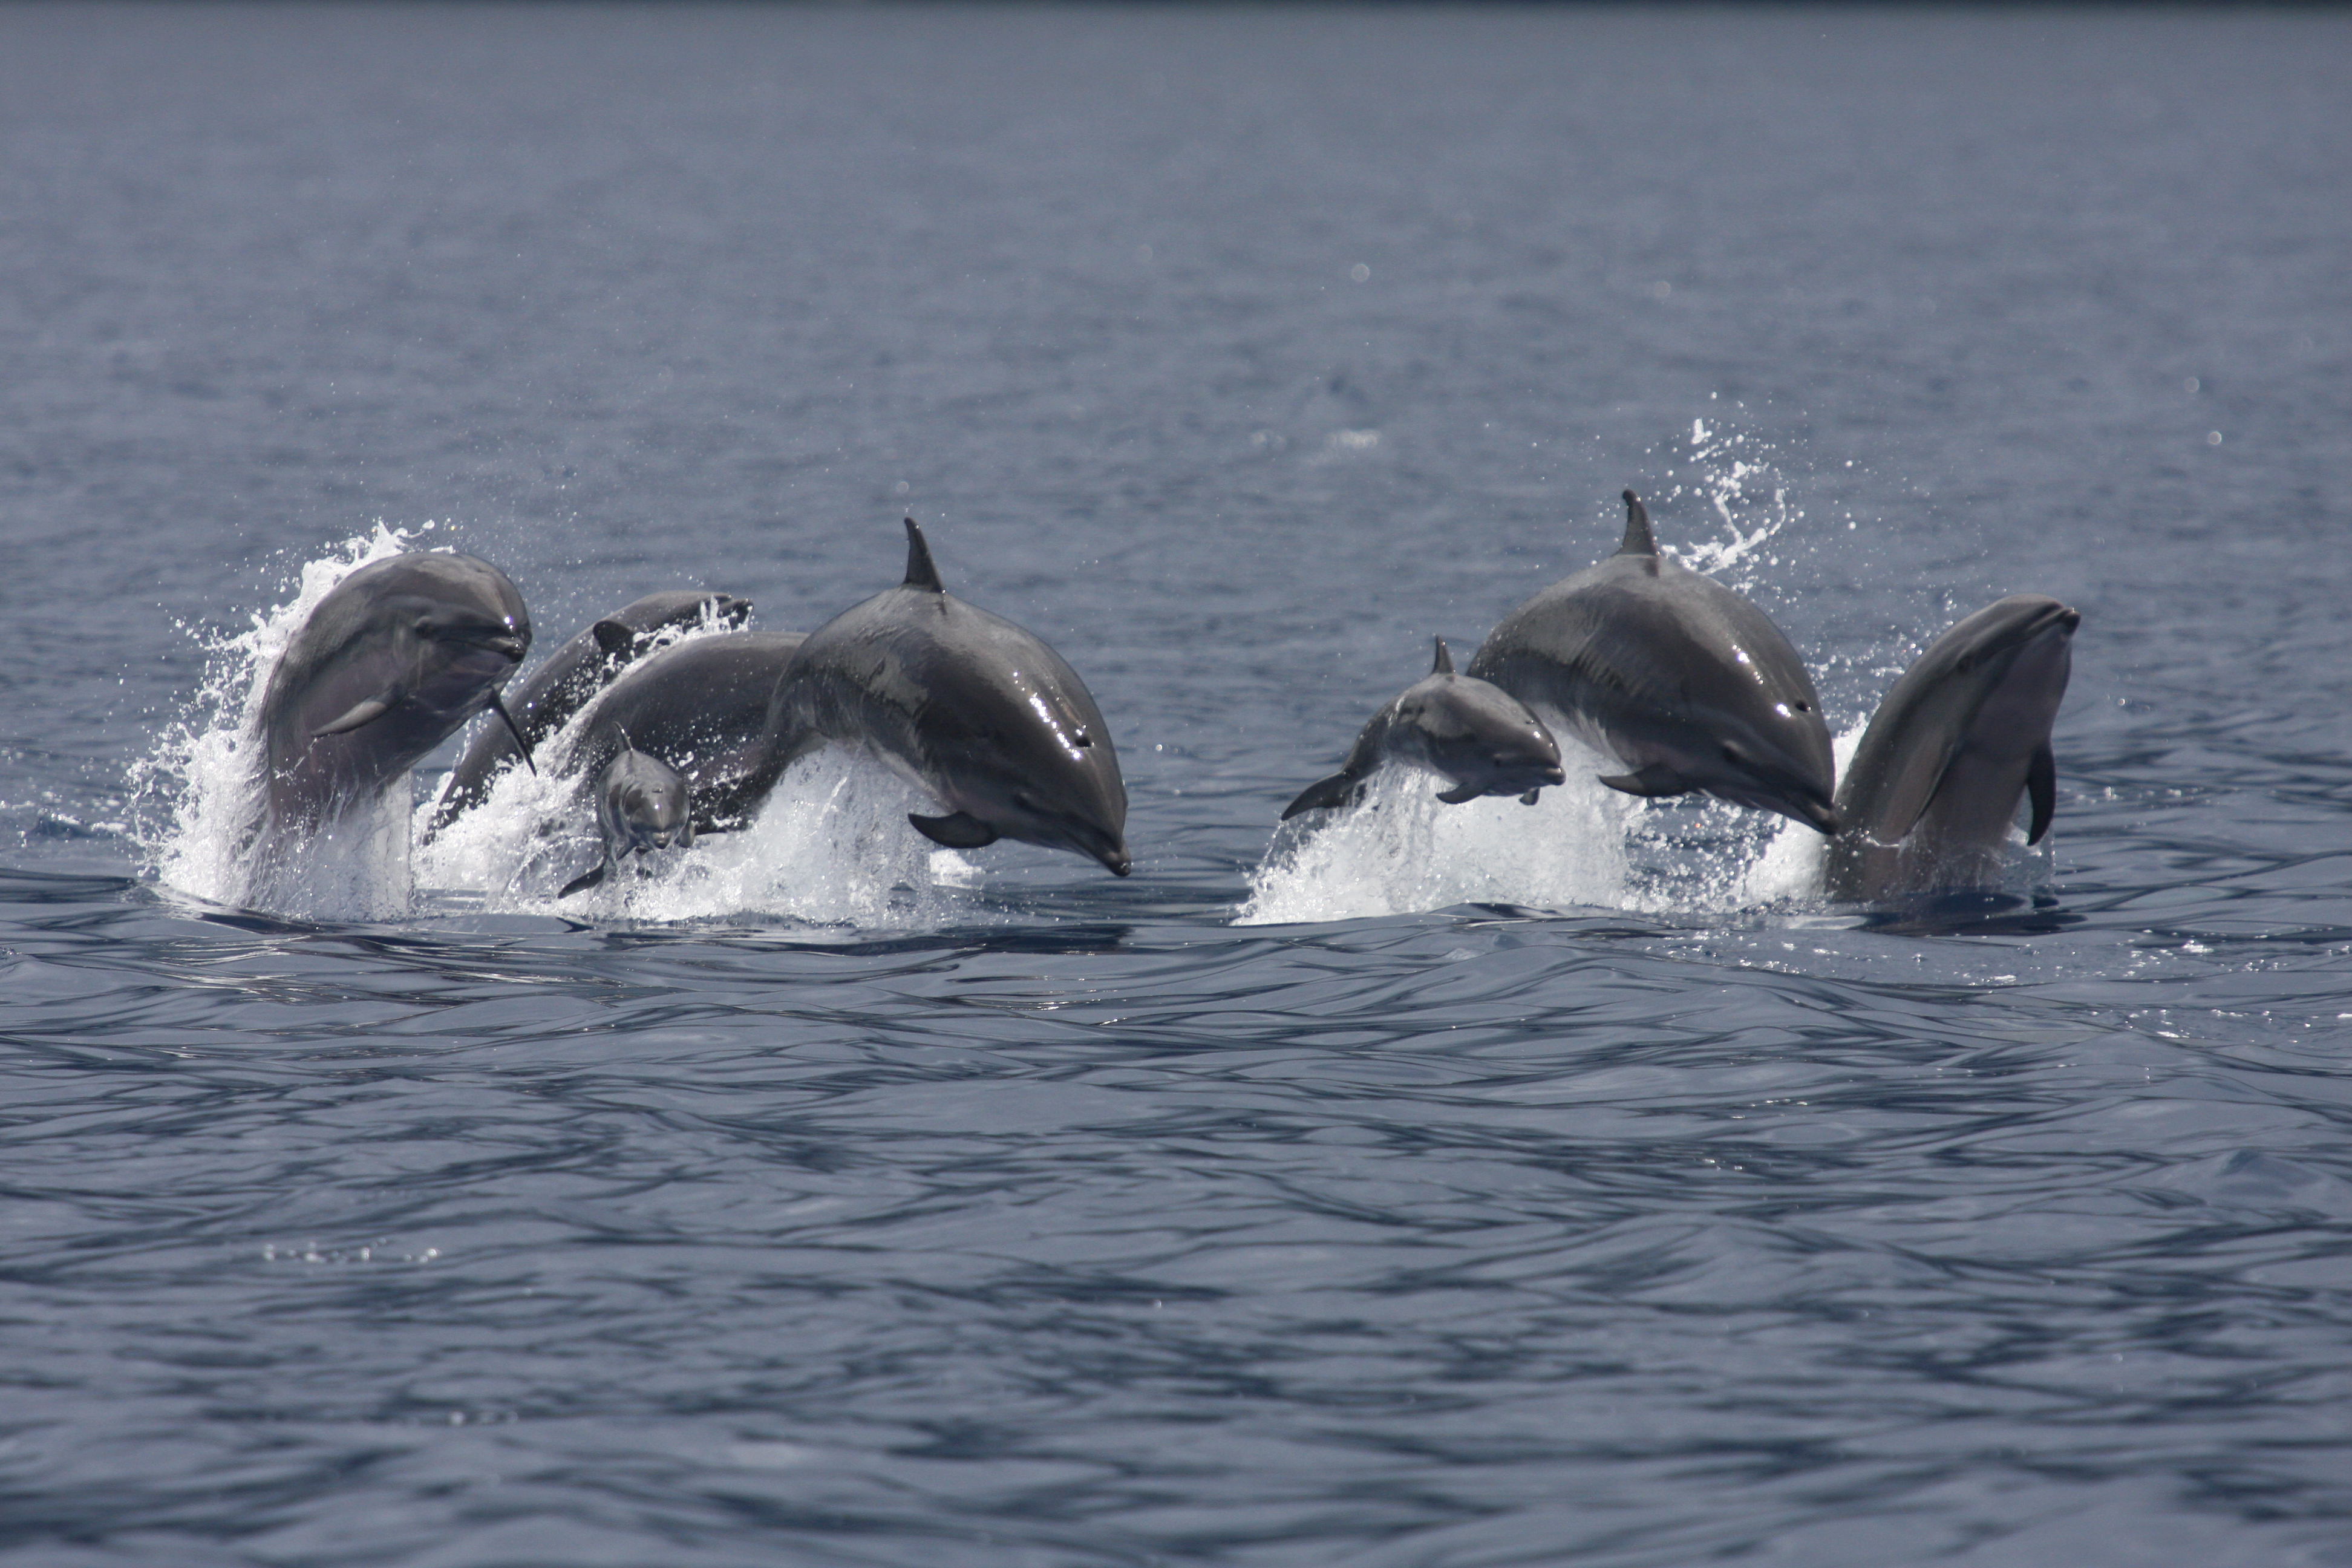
{"points": [[1822, 818], [1115, 860], [1555, 774]]}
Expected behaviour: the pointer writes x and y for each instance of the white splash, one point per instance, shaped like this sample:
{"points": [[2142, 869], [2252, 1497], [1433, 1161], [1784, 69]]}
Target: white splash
{"points": [[1400, 849], [831, 846], [199, 799]]}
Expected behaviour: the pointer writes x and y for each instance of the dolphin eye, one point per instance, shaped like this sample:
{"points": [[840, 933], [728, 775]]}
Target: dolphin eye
{"points": [[1804, 707], [1081, 739]]}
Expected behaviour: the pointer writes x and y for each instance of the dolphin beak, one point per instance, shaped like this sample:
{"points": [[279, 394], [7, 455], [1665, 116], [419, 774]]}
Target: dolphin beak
{"points": [[512, 646], [1114, 859], [1819, 817], [1558, 775]]}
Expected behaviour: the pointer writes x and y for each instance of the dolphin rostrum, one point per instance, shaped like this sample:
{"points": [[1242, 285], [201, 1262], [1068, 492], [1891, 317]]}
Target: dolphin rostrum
{"points": [[973, 709], [701, 706], [1477, 735], [575, 672], [1681, 680], [391, 663], [642, 803], [1928, 800]]}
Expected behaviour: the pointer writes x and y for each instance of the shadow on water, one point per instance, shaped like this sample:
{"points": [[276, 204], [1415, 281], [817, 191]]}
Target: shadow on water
{"points": [[1971, 912]]}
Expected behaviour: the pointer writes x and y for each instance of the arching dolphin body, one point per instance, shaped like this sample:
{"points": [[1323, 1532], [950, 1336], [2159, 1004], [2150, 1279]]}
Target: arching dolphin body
{"points": [[390, 664], [1928, 800], [553, 693], [1685, 683], [701, 707], [642, 803], [1476, 735], [973, 709]]}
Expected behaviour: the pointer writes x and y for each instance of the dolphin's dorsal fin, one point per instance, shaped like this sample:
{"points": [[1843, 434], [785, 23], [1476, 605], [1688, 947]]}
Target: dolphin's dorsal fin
{"points": [[615, 638], [1444, 664], [1637, 541], [921, 572]]}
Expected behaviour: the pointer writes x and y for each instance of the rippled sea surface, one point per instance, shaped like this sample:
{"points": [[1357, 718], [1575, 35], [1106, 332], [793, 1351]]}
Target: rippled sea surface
{"points": [[1625, 1209]]}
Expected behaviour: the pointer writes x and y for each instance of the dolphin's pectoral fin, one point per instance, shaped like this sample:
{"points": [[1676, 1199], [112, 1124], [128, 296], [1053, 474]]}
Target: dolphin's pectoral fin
{"points": [[584, 881], [367, 712], [1460, 794], [2041, 789], [499, 706], [1652, 782], [1323, 795], [614, 638], [1530, 797], [960, 831]]}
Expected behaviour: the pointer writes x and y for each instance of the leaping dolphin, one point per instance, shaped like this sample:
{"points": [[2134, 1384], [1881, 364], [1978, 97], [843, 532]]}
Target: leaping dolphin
{"points": [[390, 664], [1928, 800], [575, 672], [642, 803], [971, 707], [701, 706], [1681, 680], [1477, 735]]}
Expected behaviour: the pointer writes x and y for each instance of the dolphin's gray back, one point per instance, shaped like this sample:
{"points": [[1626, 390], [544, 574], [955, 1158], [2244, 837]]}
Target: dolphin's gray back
{"points": [[701, 706], [1636, 637], [900, 674]]}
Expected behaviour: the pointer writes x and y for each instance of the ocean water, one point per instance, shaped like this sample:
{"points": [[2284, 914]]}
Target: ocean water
{"points": [[1445, 1187]]}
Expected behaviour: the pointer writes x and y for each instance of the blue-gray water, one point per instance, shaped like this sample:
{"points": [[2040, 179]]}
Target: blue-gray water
{"points": [[1237, 351]]}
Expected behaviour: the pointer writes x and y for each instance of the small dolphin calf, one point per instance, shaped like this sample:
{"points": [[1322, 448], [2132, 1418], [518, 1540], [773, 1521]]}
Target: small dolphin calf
{"points": [[970, 707], [575, 672], [1477, 735], [1928, 800], [702, 705], [642, 803], [1681, 680], [390, 664]]}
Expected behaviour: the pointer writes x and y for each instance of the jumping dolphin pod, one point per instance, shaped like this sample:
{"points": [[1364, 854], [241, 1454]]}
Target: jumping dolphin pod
{"points": [[1929, 798], [973, 709], [390, 664], [642, 803], [1476, 735], [1681, 680], [575, 672], [699, 707]]}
